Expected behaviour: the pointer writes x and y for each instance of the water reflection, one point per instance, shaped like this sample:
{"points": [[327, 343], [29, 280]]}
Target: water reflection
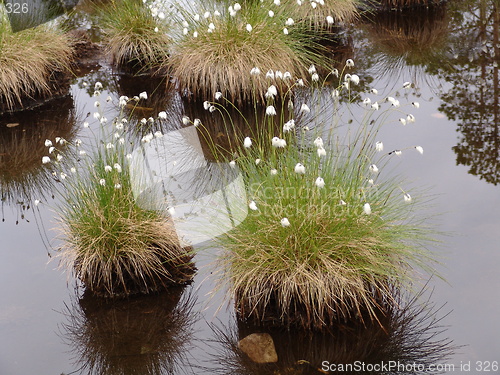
{"points": [[411, 336], [162, 96], [472, 97], [23, 178], [410, 37], [147, 335]]}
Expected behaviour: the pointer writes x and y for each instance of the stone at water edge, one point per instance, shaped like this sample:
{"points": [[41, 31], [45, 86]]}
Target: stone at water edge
{"points": [[259, 347]]}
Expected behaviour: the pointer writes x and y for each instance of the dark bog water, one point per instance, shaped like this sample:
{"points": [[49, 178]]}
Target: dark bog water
{"points": [[450, 53]]}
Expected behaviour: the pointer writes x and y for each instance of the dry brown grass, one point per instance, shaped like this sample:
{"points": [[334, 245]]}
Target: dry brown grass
{"points": [[142, 256], [130, 36], [29, 60], [221, 62]]}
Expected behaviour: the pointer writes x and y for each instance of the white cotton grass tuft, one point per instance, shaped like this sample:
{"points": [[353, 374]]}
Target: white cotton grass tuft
{"points": [[288, 126], [271, 111], [373, 168], [367, 208], [285, 222], [253, 206], [247, 142], [420, 149], [300, 169], [320, 182], [318, 142]]}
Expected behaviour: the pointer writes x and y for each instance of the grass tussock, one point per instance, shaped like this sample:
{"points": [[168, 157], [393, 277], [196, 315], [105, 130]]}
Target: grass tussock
{"points": [[114, 245], [134, 36], [30, 61], [217, 53], [328, 12], [325, 238]]}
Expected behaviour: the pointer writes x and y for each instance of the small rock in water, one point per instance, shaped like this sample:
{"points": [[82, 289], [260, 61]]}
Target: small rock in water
{"points": [[259, 347]]}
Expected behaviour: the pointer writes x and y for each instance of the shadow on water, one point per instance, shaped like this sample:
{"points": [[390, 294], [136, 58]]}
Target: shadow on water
{"points": [[23, 178], [147, 335], [411, 337]]}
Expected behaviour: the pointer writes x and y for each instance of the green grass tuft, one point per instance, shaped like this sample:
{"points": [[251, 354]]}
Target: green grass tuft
{"points": [[115, 246], [331, 259]]}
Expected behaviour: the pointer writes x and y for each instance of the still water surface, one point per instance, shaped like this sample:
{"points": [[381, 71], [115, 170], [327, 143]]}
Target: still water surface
{"points": [[457, 124]]}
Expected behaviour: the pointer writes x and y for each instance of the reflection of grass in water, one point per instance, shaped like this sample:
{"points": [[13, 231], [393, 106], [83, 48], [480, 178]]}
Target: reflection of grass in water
{"points": [[411, 332], [29, 62], [22, 177], [141, 335], [325, 239], [411, 37]]}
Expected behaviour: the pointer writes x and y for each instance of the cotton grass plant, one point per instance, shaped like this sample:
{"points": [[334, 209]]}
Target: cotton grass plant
{"points": [[113, 245], [30, 61], [326, 238], [135, 34], [220, 44]]}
